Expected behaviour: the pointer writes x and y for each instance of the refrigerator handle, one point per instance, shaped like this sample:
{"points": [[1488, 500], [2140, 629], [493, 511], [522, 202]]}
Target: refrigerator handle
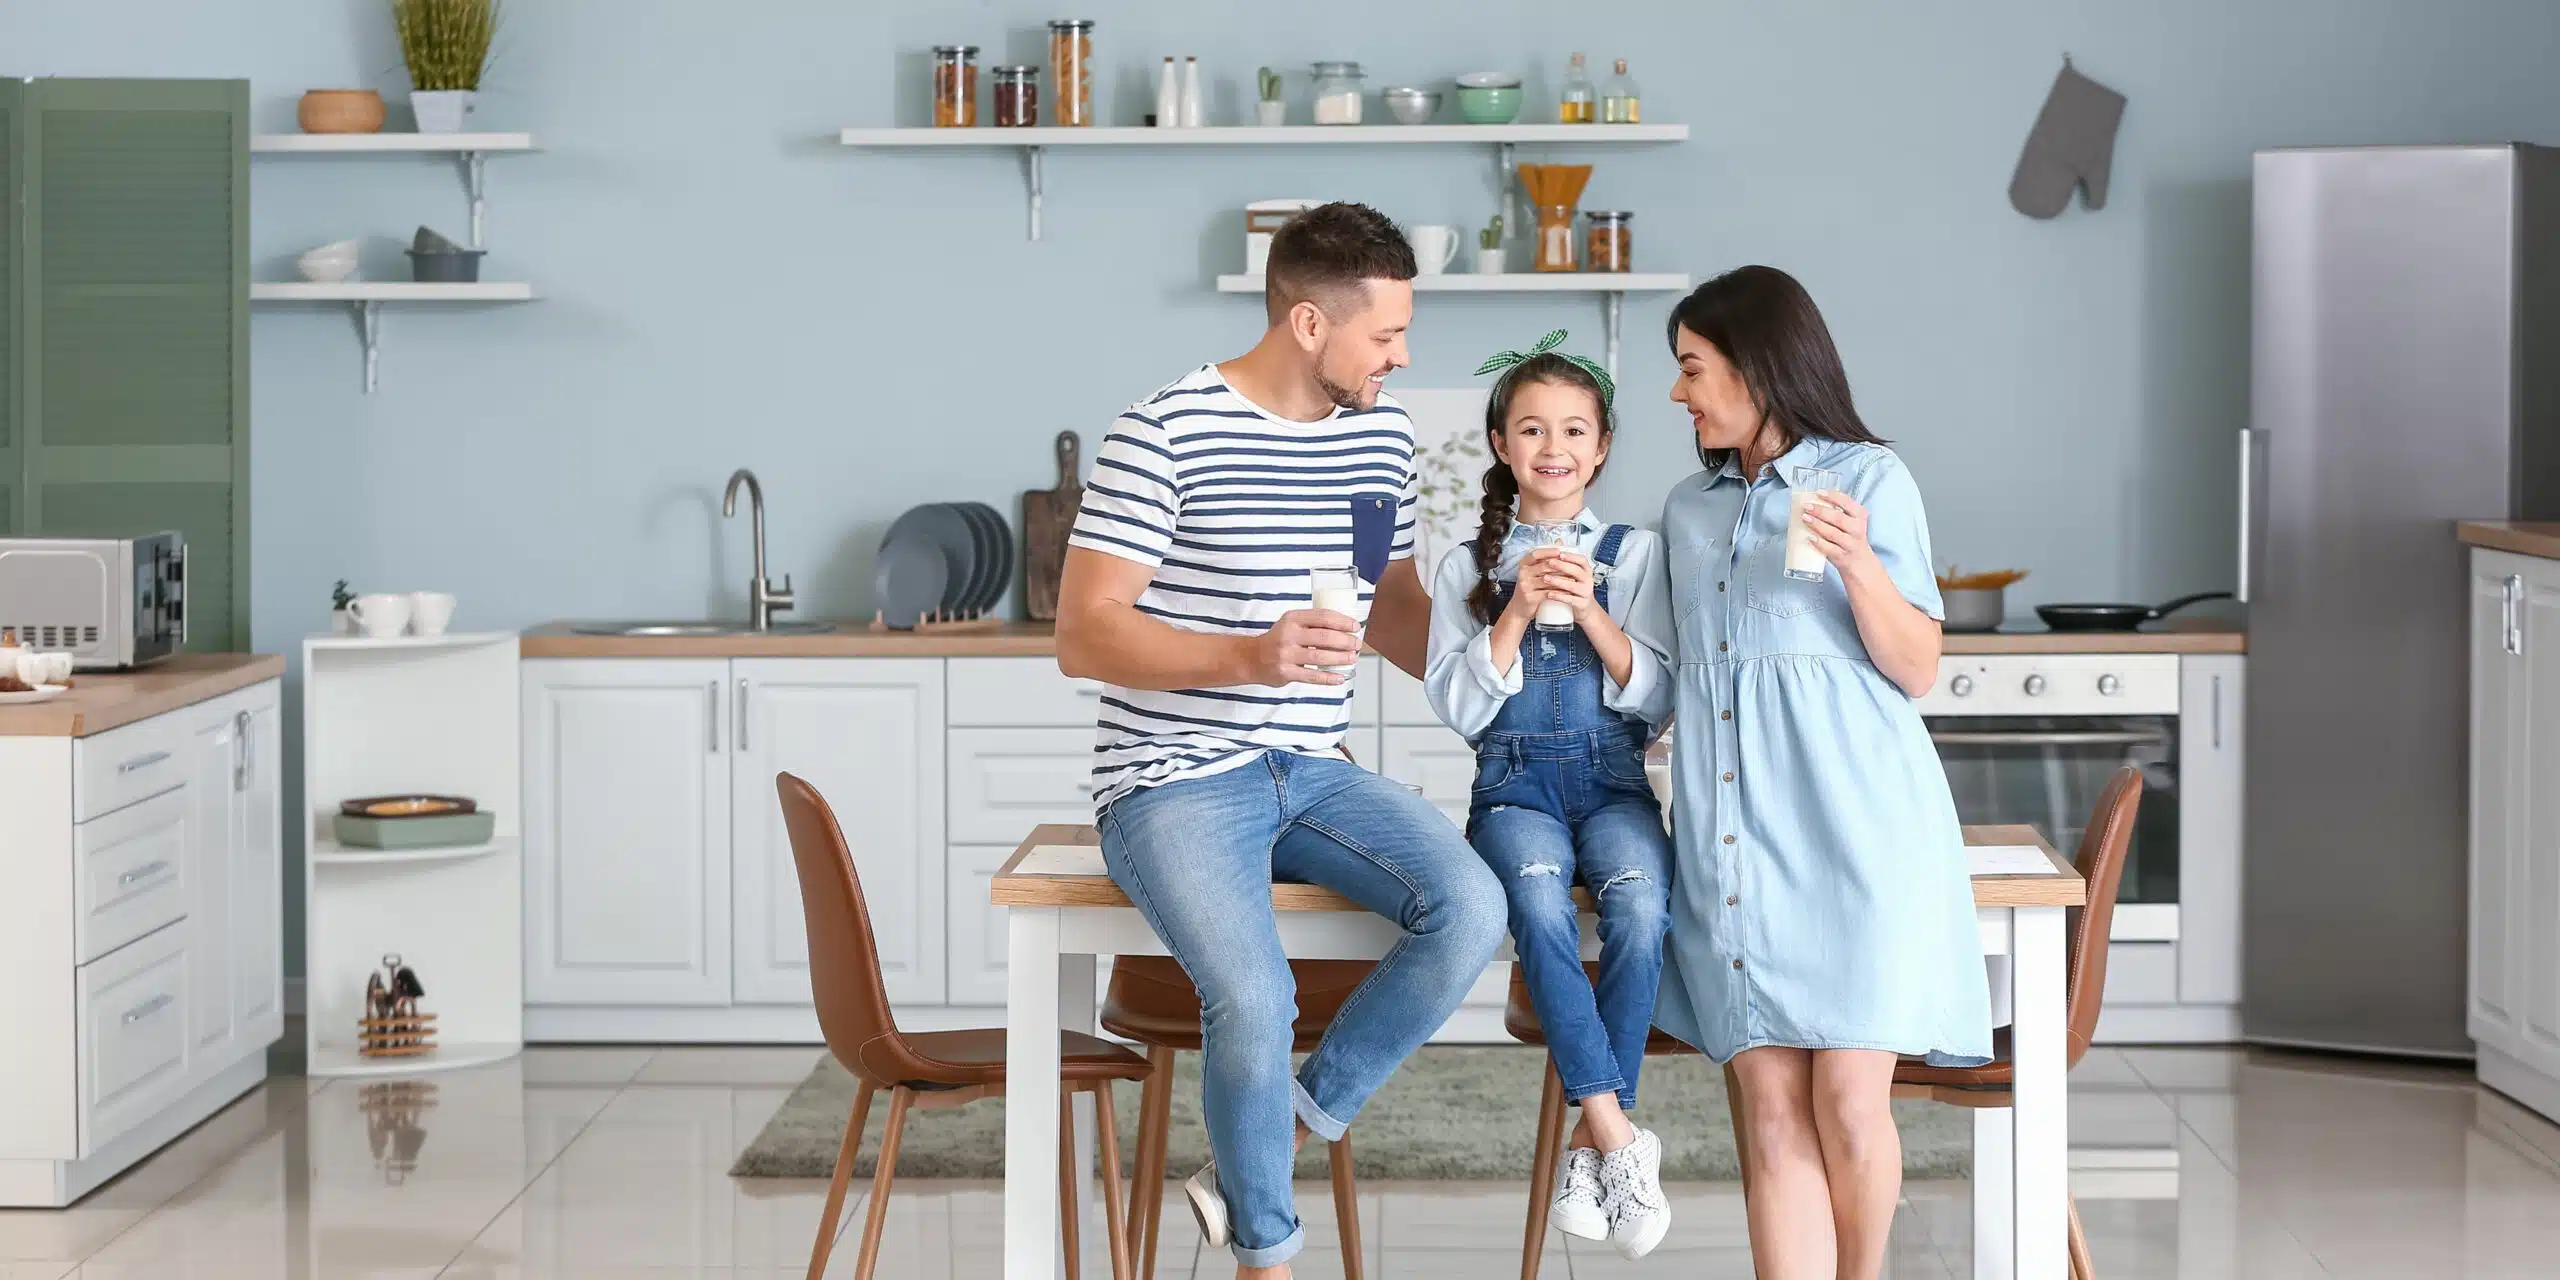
{"points": [[2248, 460]]}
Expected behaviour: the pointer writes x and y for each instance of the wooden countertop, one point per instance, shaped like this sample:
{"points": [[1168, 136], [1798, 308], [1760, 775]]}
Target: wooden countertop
{"points": [[103, 700], [2523, 537], [1039, 640]]}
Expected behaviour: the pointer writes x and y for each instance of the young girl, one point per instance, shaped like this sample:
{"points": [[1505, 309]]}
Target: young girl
{"points": [[1559, 719], [1825, 920]]}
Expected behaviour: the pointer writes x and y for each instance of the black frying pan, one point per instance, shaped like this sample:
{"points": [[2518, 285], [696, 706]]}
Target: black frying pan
{"points": [[2116, 617]]}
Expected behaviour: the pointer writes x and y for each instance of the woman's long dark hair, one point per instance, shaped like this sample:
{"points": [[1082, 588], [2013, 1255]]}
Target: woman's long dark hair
{"points": [[1501, 487], [1767, 327]]}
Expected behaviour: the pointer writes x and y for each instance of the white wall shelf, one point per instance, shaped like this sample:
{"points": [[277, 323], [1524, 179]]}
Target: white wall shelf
{"points": [[1611, 287], [367, 296], [438, 717], [1035, 141]]}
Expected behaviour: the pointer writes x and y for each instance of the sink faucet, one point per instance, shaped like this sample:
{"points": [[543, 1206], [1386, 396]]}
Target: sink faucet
{"points": [[763, 598]]}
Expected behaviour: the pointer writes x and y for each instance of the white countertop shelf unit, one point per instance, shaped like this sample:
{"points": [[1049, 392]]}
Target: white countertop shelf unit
{"points": [[339, 1058], [342, 143], [367, 296], [1034, 142], [330, 853], [450, 640], [1611, 287]]}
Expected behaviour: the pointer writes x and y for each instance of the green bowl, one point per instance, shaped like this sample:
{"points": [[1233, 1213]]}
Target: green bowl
{"points": [[1489, 106]]}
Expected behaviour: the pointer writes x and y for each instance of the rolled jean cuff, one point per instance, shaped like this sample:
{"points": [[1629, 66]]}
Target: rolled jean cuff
{"points": [[1614, 1084], [1272, 1256], [1314, 1118]]}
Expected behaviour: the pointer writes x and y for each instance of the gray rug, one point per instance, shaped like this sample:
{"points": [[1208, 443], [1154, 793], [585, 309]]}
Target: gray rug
{"points": [[1462, 1113]]}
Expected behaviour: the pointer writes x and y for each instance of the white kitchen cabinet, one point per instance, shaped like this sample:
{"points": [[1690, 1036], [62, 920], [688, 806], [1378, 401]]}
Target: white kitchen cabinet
{"points": [[2211, 822], [257, 877], [216, 827], [626, 832], [867, 733], [1436, 759], [2514, 999], [977, 938]]}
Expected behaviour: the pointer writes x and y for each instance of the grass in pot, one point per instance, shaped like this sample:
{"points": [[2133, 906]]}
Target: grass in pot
{"points": [[446, 46]]}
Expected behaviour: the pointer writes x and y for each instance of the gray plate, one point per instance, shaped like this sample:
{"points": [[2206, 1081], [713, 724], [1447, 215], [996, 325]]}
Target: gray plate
{"points": [[1000, 553], [907, 579], [983, 544], [940, 524]]}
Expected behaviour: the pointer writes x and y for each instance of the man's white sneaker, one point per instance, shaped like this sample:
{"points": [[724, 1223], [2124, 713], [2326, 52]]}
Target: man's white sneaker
{"points": [[1631, 1191], [1576, 1209], [1208, 1204]]}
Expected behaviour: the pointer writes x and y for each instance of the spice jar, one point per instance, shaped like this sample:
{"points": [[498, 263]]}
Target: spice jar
{"points": [[1555, 238], [1608, 246], [1071, 69], [955, 86], [1337, 92], [1017, 97]]}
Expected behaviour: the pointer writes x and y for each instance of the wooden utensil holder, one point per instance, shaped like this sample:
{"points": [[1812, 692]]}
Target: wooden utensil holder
{"points": [[398, 1036], [943, 623]]}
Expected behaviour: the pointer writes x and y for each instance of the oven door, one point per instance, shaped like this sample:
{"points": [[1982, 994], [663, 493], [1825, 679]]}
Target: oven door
{"points": [[2047, 772]]}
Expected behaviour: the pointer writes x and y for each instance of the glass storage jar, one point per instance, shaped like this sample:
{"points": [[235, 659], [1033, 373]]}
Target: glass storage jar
{"points": [[1071, 70], [1017, 97], [1337, 92], [955, 85], [1608, 247], [1555, 238]]}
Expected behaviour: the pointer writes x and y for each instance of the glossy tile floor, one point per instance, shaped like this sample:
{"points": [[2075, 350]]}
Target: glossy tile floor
{"points": [[598, 1163]]}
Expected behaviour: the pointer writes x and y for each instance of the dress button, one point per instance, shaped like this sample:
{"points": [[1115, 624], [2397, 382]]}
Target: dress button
{"points": [[1724, 715], [1737, 962], [1732, 899], [1728, 839], [1719, 586], [1721, 646], [1728, 777]]}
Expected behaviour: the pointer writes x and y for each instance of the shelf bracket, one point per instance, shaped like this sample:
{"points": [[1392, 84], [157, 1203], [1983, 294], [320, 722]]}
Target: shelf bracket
{"points": [[369, 330], [1031, 158], [475, 182], [1613, 314], [1507, 160]]}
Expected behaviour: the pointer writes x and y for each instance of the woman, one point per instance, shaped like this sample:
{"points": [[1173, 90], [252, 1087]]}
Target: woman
{"points": [[1821, 916]]}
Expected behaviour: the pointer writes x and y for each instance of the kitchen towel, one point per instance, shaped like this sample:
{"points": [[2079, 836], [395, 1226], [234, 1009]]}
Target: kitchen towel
{"points": [[2072, 145]]}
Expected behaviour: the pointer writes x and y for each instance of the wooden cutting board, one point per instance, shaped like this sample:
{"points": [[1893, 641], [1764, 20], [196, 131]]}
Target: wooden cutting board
{"points": [[1048, 515]]}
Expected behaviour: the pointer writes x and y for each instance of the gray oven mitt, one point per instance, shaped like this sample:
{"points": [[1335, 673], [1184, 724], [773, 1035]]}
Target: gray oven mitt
{"points": [[2073, 143]]}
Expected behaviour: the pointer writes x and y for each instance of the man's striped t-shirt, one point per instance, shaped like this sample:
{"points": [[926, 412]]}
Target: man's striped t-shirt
{"points": [[1231, 506]]}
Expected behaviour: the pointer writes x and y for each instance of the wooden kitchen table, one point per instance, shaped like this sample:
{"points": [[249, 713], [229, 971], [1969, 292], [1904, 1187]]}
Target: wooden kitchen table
{"points": [[1062, 913]]}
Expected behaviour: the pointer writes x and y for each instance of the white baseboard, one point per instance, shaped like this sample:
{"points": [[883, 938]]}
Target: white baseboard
{"points": [[2537, 1092]]}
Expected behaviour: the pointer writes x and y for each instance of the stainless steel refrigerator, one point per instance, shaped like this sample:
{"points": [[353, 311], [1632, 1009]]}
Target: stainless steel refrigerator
{"points": [[2405, 373]]}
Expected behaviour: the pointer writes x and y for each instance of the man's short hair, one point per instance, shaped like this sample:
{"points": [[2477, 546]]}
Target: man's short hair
{"points": [[1327, 255]]}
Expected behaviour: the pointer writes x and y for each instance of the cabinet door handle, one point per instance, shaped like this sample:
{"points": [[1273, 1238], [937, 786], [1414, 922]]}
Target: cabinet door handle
{"points": [[2248, 460], [143, 761], [142, 873], [2217, 713], [240, 751], [148, 1007], [2511, 637], [741, 730], [711, 717]]}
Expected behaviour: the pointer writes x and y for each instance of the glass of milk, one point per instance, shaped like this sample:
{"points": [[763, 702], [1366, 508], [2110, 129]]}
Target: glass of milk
{"points": [[1556, 615], [1804, 560], [1335, 591]]}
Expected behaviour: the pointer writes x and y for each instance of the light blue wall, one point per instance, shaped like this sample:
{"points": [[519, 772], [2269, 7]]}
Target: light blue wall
{"points": [[724, 286]]}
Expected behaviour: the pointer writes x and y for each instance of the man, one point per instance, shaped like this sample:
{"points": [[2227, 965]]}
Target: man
{"points": [[1219, 765]]}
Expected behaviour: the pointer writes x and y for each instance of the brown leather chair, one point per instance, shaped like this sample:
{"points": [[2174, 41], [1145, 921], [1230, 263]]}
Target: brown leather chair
{"points": [[2100, 861], [1520, 1018], [933, 1069], [1151, 1001]]}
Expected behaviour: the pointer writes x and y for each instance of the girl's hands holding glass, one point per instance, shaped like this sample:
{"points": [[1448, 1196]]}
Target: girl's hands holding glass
{"points": [[1568, 580], [1534, 587]]}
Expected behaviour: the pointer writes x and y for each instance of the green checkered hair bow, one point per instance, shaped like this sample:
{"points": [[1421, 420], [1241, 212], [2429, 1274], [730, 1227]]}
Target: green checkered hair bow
{"points": [[1503, 362]]}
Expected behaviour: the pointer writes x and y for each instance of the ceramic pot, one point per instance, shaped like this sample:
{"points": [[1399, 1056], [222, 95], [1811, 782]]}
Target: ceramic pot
{"points": [[1270, 115], [340, 111], [1491, 262], [442, 110]]}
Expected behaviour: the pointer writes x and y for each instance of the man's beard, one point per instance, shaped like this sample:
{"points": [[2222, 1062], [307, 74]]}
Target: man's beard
{"points": [[1343, 397]]}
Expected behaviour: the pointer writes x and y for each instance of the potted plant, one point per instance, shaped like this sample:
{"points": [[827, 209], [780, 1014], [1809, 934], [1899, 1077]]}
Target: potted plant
{"points": [[339, 596], [446, 44], [1489, 248], [1269, 110]]}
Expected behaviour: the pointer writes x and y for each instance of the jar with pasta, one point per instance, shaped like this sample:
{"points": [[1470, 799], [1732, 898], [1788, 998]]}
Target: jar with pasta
{"points": [[1608, 247], [955, 86], [1071, 70], [1555, 238], [1017, 97]]}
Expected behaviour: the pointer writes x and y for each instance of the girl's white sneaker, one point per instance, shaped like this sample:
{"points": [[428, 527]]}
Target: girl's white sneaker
{"points": [[1631, 1191], [1576, 1209]]}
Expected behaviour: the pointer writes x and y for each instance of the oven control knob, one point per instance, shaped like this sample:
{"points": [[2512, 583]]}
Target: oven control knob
{"points": [[2109, 686], [2035, 686], [1961, 686]]}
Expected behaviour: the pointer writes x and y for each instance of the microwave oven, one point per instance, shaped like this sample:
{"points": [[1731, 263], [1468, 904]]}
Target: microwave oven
{"points": [[114, 603]]}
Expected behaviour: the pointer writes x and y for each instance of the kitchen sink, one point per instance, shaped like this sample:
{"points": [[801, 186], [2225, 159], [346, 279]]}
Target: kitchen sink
{"points": [[676, 629]]}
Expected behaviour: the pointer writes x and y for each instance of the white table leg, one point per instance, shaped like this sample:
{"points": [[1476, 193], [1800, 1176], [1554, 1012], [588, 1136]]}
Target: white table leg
{"points": [[2042, 1120], [1033, 1000], [1076, 1010], [1993, 1190]]}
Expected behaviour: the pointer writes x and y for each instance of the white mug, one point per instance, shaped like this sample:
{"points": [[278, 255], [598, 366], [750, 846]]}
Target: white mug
{"points": [[430, 612], [43, 668], [1434, 248], [379, 616]]}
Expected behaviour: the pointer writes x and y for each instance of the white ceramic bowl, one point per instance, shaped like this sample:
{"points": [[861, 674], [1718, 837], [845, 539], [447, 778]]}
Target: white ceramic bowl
{"points": [[1488, 80], [328, 264]]}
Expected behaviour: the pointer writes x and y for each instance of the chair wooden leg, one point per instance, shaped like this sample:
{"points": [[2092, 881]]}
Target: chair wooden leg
{"points": [[835, 1189], [1542, 1172], [1155, 1118], [2081, 1267], [1741, 1134], [880, 1180], [1115, 1222], [1346, 1205], [1067, 1215]]}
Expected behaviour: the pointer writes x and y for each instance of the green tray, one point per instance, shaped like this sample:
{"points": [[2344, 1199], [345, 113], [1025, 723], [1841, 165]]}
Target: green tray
{"points": [[426, 831]]}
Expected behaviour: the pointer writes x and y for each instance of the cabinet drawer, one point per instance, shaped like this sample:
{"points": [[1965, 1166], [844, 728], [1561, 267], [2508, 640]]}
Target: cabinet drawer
{"points": [[1019, 691], [132, 873], [133, 1036], [113, 769], [1006, 781]]}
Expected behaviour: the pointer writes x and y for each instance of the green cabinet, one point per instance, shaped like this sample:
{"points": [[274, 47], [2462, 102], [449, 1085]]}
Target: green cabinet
{"points": [[126, 404]]}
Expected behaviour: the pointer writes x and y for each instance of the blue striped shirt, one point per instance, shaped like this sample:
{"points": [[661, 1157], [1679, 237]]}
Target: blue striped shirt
{"points": [[1231, 506]]}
